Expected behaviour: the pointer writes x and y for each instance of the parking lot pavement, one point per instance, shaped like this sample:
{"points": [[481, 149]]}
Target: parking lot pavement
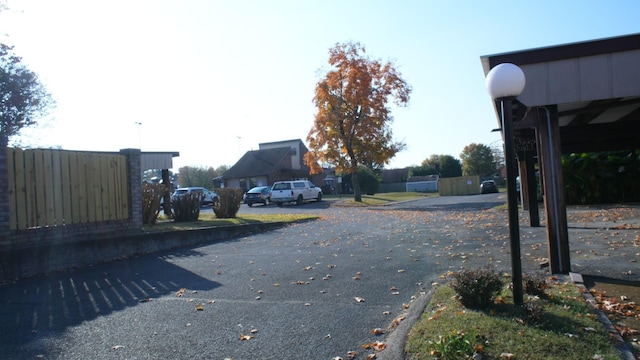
{"points": [[314, 290]]}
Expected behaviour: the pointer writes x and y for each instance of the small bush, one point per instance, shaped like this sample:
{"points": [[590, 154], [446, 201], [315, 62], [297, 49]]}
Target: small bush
{"points": [[229, 203], [534, 311], [476, 288], [534, 284], [151, 196], [453, 346], [187, 207]]}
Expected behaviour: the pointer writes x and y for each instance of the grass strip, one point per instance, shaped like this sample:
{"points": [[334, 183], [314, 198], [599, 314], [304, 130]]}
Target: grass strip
{"points": [[564, 327], [381, 199], [209, 220]]}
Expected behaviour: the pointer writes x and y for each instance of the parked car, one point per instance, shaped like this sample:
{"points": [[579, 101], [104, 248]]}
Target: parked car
{"points": [[296, 191], [259, 194], [488, 186], [210, 197]]}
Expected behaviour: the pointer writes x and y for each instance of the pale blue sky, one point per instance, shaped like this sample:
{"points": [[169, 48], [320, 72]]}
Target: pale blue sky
{"points": [[216, 78]]}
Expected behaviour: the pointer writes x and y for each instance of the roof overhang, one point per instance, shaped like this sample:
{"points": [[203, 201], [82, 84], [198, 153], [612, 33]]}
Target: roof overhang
{"points": [[594, 85], [157, 160]]}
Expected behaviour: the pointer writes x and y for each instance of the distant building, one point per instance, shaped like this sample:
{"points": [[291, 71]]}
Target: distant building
{"points": [[273, 161]]}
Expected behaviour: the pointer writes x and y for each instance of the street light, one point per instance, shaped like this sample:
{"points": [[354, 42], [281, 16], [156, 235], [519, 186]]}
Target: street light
{"points": [[139, 134], [504, 83]]}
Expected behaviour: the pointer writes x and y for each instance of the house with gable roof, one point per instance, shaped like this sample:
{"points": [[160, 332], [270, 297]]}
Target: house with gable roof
{"points": [[273, 161]]}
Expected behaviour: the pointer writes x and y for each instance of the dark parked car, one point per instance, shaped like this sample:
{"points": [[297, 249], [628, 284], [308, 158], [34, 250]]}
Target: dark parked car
{"points": [[259, 194], [488, 186]]}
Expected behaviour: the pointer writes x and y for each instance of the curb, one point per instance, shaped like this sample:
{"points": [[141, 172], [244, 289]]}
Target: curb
{"points": [[398, 337], [625, 351]]}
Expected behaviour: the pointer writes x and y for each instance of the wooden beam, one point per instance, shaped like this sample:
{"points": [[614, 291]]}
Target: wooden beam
{"points": [[554, 197]]}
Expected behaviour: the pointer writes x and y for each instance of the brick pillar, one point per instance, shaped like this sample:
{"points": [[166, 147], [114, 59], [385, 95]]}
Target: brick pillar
{"points": [[134, 176], [4, 192]]}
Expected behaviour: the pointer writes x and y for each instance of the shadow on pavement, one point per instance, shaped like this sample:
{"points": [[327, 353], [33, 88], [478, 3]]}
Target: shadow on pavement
{"points": [[37, 307]]}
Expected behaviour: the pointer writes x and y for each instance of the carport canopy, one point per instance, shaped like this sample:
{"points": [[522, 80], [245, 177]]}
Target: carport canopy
{"points": [[578, 97]]}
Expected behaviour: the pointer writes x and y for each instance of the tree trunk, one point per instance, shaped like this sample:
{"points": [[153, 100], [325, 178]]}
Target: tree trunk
{"points": [[355, 183]]}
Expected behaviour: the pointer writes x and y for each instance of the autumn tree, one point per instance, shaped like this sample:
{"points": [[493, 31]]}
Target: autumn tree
{"points": [[478, 159], [23, 99], [352, 123]]}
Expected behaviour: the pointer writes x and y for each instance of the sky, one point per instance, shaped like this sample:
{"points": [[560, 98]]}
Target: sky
{"points": [[213, 79]]}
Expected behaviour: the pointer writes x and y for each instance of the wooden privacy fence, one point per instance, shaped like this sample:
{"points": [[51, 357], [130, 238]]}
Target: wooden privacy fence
{"points": [[58, 187], [464, 185]]}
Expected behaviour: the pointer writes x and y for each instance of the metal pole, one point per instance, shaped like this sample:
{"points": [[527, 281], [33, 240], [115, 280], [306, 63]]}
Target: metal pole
{"points": [[512, 200], [139, 135]]}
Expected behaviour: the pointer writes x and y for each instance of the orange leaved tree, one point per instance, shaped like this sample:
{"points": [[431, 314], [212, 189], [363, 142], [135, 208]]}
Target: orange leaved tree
{"points": [[352, 123]]}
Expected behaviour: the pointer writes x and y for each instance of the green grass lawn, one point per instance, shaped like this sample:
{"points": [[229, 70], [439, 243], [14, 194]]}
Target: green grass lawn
{"points": [[209, 220], [566, 328], [383, 198]]}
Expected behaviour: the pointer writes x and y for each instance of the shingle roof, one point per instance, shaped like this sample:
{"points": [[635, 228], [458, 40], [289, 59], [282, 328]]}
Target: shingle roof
{"points": [[256, 163]]}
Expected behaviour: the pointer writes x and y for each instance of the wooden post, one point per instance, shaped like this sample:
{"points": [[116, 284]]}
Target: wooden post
{"points": [[548, 131], [531, 189], [526, 149], [4, 192]]}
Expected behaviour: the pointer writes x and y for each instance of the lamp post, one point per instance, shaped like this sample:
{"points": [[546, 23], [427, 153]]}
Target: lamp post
{"points": [[139, 134], [504, 83]]}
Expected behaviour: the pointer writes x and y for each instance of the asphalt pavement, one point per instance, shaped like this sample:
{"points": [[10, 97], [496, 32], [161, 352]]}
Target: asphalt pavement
{"points": [[315, 290]]}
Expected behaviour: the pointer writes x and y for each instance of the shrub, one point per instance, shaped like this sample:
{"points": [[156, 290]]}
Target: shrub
{"points": [[229, 204], [187, 207], [534, 284], [151, 196], [369, 181], [476, 288], [453, 346], [534, 311]]}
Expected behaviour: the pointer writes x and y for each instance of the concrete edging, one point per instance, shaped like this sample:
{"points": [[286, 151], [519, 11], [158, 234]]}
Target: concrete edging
{"points": [[625, 352], [397, 339]]}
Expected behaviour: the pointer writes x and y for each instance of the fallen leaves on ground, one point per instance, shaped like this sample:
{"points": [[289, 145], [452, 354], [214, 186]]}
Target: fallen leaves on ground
{"points": [[618, 309]]}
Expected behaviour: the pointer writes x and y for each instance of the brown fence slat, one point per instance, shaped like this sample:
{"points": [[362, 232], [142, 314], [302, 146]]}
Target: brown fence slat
{"points": [[56, 187], [29, 182], [87, 164], [66, 187], [104, 187], [113, 195], [48, 191], [56, 177]]}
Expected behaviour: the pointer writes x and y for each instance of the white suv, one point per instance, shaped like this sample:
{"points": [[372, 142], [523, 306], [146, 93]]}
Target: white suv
{"points": [[210, 197], [296, 191]]}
